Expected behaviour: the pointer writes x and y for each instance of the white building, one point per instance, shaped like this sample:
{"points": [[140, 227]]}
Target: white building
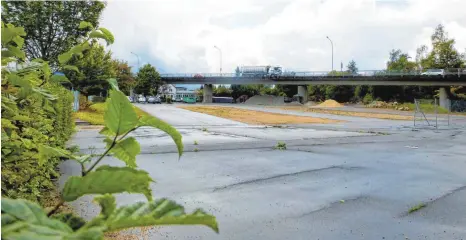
{"points": [[175, 93]]}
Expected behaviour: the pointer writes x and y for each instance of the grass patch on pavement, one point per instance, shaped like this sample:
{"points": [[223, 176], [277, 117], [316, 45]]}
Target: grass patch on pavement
{"points": [[280, 146], [95, 113], [350, 113], [417, 207], [425, 107], [255, 117]]}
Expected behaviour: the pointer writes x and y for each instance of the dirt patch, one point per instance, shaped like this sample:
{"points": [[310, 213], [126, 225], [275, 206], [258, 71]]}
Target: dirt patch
{"points": [[330, 103], [351, 113], [255, 117]]}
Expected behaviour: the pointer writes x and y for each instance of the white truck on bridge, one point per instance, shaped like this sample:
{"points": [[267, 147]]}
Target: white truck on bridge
{"points": [[261, 71]]}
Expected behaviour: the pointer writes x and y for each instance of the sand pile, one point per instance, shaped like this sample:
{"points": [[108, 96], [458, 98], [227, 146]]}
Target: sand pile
{"points": [[330, 103], [266, 100]]}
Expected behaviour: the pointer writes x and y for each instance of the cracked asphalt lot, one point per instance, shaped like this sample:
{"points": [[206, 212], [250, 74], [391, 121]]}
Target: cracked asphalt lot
{"points": [[354, 180]]}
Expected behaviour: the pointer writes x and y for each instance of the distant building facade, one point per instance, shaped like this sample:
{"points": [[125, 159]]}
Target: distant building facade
{"points": [[175, 93]]}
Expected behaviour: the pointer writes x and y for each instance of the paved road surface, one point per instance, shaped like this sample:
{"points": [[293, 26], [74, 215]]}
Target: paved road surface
{"points": [[329, 184]]}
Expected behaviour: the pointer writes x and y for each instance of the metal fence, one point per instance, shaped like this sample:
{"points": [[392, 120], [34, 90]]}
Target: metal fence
{"points": [[429, 114]]}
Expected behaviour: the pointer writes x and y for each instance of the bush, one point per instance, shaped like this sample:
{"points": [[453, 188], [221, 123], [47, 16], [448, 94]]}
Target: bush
{"points": [[98, 107], [367, 99], [39, 122], [169, 100]]}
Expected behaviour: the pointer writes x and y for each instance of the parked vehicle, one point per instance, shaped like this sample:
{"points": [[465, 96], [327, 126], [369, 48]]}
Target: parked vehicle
{"points": [[434, 72], [130, 98], [153, 99], [222, 99], [142, 99], [189, 100]]}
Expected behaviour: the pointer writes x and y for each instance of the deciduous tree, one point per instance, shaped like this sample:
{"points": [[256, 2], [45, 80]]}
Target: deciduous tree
{"points": [[443, 54], [399, 61], [94, 67], [147, 80], [51, 26], [124, 76]]}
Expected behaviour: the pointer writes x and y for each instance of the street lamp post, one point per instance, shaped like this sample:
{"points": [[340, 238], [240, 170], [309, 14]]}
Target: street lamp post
{"points": [[138, 59], [220, 51], [332, 50]]}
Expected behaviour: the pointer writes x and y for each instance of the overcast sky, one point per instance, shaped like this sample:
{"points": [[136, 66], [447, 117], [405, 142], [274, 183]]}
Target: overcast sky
{"points": [[179, 35]]}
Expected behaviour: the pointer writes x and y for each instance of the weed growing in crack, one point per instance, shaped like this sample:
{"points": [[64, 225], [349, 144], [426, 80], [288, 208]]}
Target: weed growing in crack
{"points": [[280, 146], [417, 207]]}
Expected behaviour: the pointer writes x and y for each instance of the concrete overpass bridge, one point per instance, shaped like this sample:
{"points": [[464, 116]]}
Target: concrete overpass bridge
{"points": [[454, 77]]}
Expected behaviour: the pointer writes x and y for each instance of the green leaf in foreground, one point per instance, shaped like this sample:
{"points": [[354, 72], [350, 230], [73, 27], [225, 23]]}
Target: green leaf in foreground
{"points": [[31, 222], [64, 57], [46, 152], [73, 221], [105, 131], [107, 203], [159, 212], [152, 121], [113, 83], [71, 67], [106, 179], [126, 150], [84, 24], [108, 35], [59, 78], [120, 116]]}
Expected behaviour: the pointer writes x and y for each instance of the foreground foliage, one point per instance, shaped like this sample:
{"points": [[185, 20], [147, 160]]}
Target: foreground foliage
{"points": [[24, 219], [32, 116]]}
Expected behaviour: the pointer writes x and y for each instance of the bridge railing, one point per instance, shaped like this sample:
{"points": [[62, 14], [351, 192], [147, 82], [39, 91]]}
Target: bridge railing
{"points": [[361, 73]]}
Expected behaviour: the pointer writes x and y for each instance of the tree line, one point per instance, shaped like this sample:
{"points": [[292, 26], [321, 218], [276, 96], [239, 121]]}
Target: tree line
{"points": [[59, 31]]}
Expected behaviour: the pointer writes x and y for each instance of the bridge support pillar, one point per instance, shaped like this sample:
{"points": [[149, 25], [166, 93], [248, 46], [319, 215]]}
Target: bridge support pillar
{"points": [[443, 98], [207, 92], [302, 91]]}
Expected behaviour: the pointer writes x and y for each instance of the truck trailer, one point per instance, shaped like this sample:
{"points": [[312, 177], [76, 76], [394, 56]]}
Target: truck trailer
{"points": [[261, 71]]}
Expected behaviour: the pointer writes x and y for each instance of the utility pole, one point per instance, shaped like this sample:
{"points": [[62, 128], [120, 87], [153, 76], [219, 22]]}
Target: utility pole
{"points": [[332, 50], [220, 51], [341, 66], [131, 93]]}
